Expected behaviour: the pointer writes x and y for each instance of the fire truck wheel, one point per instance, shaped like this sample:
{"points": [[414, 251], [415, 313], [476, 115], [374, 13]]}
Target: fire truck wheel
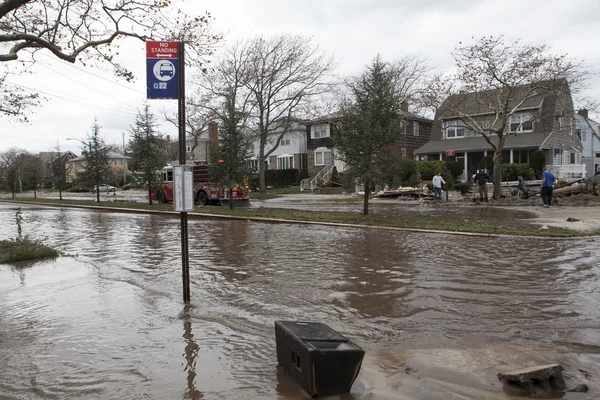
{"points": [[162, 197], [202, 199]]}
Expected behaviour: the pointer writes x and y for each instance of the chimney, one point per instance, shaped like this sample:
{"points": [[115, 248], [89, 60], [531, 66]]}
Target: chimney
{"points": [[168, 138], [583, 112], [404, 106], [213, 137]]}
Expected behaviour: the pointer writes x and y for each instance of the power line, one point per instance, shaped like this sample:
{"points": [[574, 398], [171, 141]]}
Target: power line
{"points": [[96, 75], [96, 106], [87, 86]]}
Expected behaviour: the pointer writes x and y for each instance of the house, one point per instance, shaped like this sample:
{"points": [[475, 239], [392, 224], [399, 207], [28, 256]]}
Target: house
{"points": [[539, 120], [291, 152], [413, 132], [588, 132], [47, 158], [117, 161]]}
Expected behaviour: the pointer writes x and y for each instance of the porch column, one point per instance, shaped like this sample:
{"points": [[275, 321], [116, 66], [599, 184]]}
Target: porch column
{"points": [[441, 157], [511, 156], [466, 173]]}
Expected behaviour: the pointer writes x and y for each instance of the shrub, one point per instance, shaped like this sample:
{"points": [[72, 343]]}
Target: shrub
{"points": [[462, 187], [510, 172], [428, 169], [455, 168], [537, 162], [487, 162], [405, 169]]}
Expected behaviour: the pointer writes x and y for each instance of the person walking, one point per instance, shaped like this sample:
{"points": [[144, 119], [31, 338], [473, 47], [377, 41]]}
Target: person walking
{"points": [[546, 186], [481, 180], [438, 181]]}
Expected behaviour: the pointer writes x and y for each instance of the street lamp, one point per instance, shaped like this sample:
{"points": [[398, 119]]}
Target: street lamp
{"points": [[90, 150]]}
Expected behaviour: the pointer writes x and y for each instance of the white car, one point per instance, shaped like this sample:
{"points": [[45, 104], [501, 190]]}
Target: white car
{"points": [[104, 188]]}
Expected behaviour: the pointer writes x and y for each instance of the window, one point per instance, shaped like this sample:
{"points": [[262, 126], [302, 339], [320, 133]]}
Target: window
{"points": [[285, 162], [521, 122], [402, 126], [573, 161], [284, 142], [578, 131], [455, 129], [118, 162], [322, 156], [188, 148], [415, 128], [253, 165], [320, 131], [403, 153]]}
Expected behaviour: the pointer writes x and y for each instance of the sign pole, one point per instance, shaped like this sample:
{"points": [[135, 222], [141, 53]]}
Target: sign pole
{"points": [[185, 260]]}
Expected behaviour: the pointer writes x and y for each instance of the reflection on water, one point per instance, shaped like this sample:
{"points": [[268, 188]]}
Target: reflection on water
{"points": [[108, 323]]}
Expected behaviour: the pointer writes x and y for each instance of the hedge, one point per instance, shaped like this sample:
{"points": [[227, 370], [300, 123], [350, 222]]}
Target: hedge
{"points": [[510, 172]]}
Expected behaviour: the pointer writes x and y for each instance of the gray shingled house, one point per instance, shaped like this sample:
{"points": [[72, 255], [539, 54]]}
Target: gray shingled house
{"points": [[539, 120]]}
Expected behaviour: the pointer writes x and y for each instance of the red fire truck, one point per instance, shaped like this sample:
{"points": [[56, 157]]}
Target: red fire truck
{"points": [[206, 190]]}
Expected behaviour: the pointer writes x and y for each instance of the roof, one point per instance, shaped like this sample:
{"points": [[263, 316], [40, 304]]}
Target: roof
{"points": [[338, 115], [111, 155], [476, 103], [478, 143]]}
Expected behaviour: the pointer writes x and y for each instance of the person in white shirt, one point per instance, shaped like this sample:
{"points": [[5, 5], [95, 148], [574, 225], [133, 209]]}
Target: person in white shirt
{"points": [[438, 181]]}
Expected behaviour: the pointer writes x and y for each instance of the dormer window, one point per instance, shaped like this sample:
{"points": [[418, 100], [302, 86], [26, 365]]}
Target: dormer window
{"points": [[521, 122]]}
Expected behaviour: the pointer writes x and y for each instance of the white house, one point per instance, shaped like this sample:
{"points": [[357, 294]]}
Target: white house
{"points": [[589, 134], [291, 152]]}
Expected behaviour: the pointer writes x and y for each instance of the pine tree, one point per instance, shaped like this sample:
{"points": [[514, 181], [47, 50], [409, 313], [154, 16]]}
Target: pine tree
{"points": [[96, 155], [366, 131], [147, 154]]}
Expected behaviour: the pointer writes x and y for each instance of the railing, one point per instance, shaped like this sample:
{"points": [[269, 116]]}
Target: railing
{"points": [[568, 170], [322, 177]]}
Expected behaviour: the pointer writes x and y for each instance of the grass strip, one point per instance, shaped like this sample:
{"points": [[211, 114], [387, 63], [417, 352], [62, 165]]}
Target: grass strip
{"points": [[399, 219]]}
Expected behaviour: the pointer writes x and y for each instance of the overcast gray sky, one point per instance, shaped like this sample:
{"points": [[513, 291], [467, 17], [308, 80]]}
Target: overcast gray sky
{"points": [[353, 31]]}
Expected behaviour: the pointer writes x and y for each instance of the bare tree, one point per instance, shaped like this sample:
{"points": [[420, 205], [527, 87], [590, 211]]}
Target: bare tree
{"points": [[196, 121], [89, 31], [282, 76], [496, 77]]}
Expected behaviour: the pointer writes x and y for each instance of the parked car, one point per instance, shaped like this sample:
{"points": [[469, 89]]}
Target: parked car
{"points": [[127, 186], [104, 188]]}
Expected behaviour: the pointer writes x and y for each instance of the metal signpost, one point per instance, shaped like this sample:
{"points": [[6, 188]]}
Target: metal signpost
{"points": [[165, 72]]}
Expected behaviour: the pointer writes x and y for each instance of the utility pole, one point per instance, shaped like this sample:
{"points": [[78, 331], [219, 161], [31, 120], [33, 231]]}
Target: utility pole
{"points": [[124, 163]]}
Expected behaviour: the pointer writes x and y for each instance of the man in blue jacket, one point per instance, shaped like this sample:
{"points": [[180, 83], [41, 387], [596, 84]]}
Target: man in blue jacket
{"points": [[546, 186]]}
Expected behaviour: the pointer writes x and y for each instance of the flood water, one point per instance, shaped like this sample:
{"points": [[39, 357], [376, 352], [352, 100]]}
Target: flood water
{"points": [[108, 320]]}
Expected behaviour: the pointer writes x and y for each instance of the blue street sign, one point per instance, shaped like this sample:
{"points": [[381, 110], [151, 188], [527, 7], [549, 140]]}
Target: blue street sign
{"points": [[162, 79]]}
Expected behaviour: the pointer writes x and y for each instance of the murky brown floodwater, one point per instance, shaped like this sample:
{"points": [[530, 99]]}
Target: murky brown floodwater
{"points": [[109, 322]]}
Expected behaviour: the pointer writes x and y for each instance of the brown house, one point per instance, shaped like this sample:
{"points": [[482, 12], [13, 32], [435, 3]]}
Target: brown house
{"points": [[413, 132]]}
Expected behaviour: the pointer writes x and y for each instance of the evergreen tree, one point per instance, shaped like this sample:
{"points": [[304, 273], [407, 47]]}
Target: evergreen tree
{"points": [[96, 155], [366, 132], [146, 144], [235, 146]]}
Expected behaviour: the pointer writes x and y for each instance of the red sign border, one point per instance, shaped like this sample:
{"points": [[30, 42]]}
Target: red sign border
{"points": [[152, 45]]}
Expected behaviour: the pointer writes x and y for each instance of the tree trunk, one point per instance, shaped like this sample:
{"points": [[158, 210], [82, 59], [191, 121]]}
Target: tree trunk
{"points": [[60, 193], [98, 192], [34, 192], [366, 198], [497, 174], [149, 188], [261, 175], [231, 197]]}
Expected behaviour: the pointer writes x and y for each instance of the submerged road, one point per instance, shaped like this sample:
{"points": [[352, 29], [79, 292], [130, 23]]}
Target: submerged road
{"points": [[108, 322]]}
